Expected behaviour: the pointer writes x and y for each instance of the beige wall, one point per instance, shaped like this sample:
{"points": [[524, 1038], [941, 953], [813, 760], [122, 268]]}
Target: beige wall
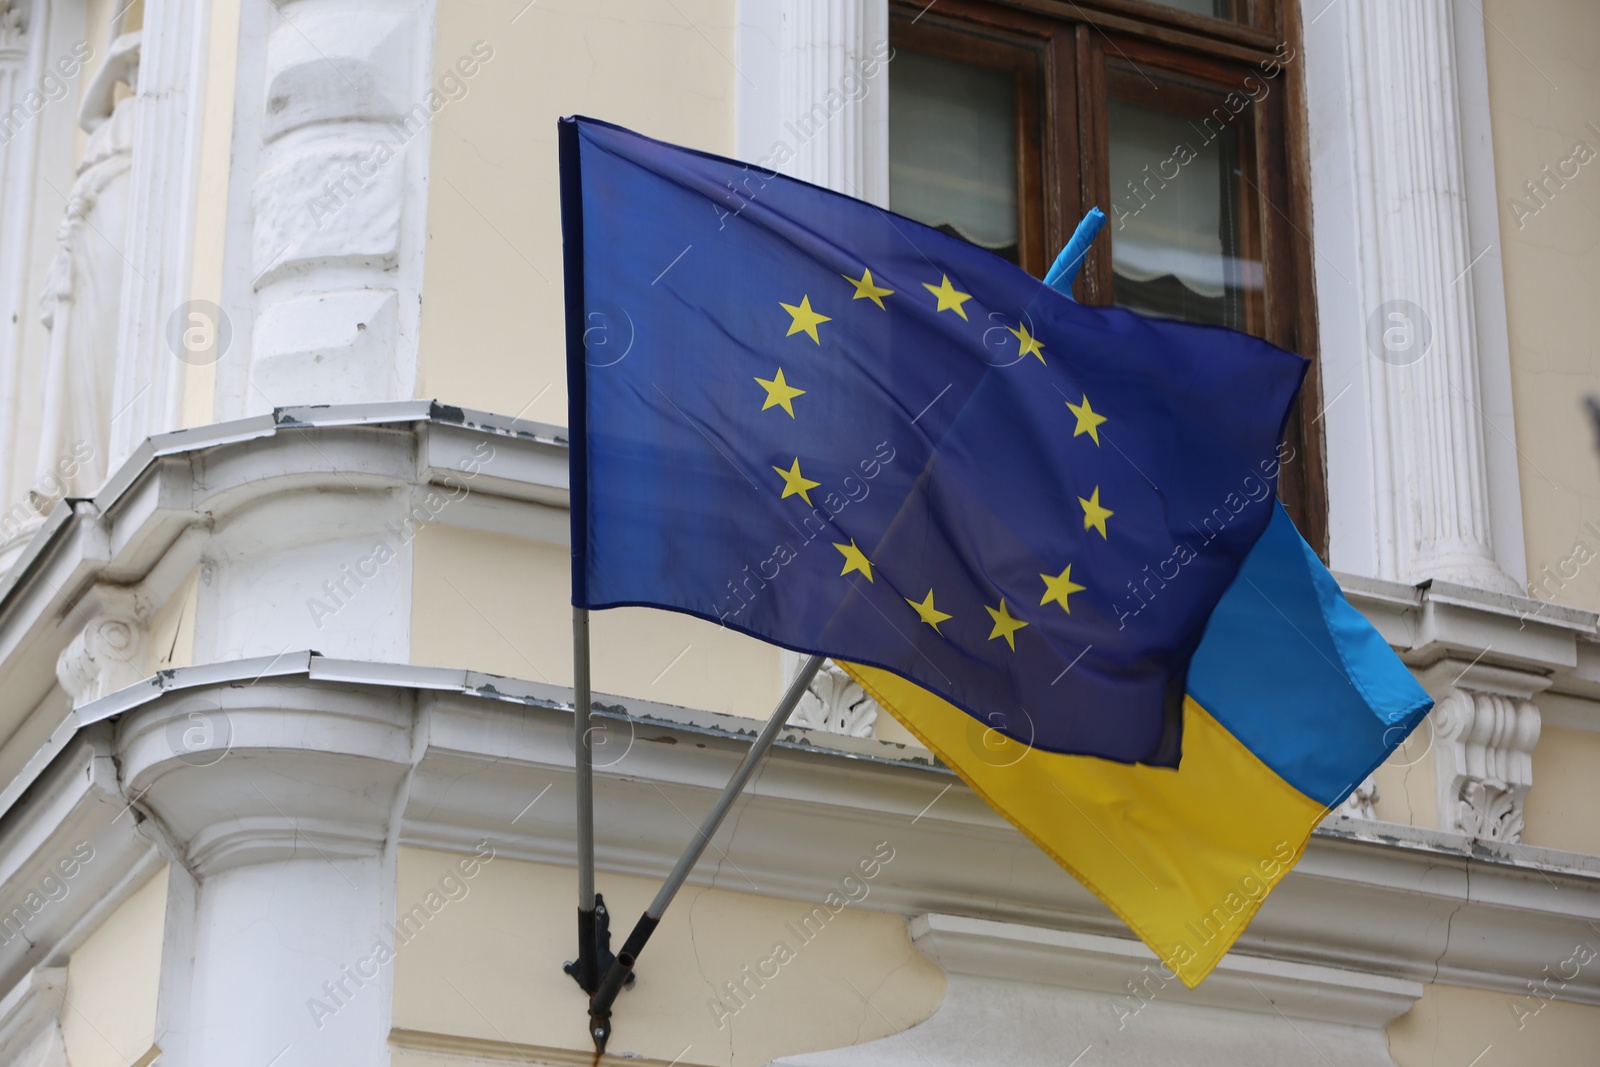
{"points": [[500, 604], [112, 982], [211, 197], [483, 970], [1455, 1027], [1405, 782], [171, 640], [1561, 808], [1544, 86], [492, 321]]}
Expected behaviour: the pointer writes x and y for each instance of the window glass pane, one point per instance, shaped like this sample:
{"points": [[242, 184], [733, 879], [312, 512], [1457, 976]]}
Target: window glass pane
{"points": [[953, 149], [1177, 249], [1218, 9]]}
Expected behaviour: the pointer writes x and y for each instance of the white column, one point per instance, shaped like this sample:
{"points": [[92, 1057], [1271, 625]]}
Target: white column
{"points": [[814, 91], [160, 238], [279, 802], [1410, 455]]}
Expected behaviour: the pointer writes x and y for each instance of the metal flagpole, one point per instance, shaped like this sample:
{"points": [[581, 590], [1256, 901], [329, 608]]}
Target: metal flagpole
{"points": [[606, 995], [588, 971]]}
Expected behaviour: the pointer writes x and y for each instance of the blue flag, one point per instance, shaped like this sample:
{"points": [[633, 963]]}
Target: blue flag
{"points": [[841, 431]]}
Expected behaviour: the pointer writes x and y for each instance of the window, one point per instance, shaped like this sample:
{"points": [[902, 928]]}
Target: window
{"points": [[1179, 118]]}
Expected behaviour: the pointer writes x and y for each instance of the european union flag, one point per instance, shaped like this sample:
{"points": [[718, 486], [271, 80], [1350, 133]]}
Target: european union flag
{"points": [[1037, 533], [843, 432]]}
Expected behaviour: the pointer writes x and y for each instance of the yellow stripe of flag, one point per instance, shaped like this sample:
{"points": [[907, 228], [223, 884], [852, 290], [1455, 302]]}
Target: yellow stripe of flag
{"points": [[1184, 857]]}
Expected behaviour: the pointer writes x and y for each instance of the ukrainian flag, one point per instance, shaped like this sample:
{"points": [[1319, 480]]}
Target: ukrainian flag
{"points": [[1044, 536]]}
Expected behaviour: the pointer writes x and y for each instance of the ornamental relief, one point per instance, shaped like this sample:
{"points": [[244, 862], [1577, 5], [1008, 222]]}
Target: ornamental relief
{"points": [[834, 703]]}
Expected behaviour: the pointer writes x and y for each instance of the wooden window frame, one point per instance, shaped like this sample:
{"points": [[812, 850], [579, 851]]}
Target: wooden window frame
{"points": [[1059, 52]]}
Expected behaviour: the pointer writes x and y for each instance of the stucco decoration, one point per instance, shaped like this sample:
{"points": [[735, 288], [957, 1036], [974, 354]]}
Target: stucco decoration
{"points": [[109, 652], [83, 291], [1359, 804], [835, 703], [1483, 762]]}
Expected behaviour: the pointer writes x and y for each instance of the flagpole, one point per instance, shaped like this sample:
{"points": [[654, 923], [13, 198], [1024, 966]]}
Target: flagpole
{"points": [[588, 976], [606, 995]]}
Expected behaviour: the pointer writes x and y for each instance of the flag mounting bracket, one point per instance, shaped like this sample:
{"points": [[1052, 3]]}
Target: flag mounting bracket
{"points": [[620, 971], [600, 934]]}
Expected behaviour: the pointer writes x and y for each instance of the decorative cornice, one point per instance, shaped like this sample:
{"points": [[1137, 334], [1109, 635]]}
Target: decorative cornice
{"points": [[1377, 898]]}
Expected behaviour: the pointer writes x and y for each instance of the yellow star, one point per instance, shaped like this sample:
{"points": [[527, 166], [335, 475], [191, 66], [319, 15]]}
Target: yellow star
{"points": [[779, 393], [865, 290], [804, 319], [1094, 516], [1059, 588], [854, 560], [795, 482], [950, 298], [927, 612], [1089, 420], [1004, 625], [1031, 345]]}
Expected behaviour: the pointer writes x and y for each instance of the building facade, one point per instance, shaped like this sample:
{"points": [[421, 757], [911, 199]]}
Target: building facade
{"points": [[286, 766]]}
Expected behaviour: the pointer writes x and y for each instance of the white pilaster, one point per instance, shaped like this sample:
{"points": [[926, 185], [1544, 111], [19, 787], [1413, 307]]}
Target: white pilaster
{"points": [[814, 98], [23, 26], [160, 233], [42, 50], [1413, 343]]}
